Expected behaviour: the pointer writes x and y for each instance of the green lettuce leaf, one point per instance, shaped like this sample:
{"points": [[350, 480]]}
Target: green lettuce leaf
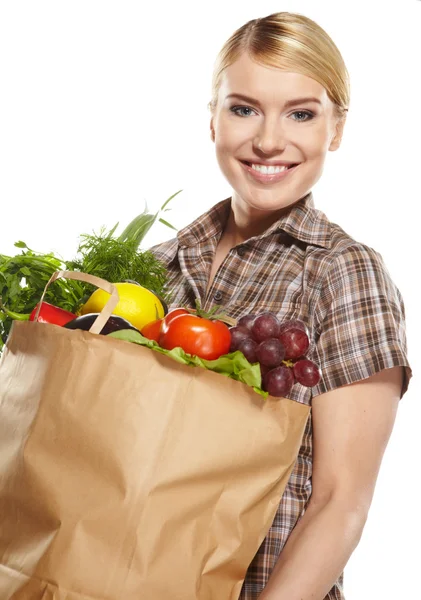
{"points": [[233, 365]]}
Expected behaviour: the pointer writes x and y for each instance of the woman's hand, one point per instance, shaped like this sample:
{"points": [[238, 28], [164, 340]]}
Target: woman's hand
{"points": [[351, 428]]}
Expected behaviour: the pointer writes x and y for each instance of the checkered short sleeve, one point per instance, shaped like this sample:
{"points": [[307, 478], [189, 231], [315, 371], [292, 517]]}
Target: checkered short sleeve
{"points": [[360, 321]]}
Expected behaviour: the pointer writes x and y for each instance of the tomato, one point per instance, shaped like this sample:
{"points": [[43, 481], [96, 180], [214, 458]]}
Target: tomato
{"points": [[174, 313], [152, 330], [196, 335], [155, 329]]}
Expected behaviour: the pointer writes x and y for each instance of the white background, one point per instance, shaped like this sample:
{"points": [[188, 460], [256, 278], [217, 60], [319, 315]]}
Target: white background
{"points": [[103, 105]]}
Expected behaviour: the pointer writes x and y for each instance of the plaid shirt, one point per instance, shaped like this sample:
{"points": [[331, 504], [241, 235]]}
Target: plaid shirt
{"points": [[302, 267]]}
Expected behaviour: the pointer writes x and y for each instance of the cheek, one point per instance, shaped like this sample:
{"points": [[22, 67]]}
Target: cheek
{"points": [[231, 134], [225, 141], [228, 144], [224, 157], [316, 142]]}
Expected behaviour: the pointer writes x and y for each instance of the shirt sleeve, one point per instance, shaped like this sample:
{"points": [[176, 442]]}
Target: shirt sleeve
{"points": [[361, 321]]}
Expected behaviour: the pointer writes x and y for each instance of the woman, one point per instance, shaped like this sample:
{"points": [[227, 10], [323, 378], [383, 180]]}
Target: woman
{"points": [[280, 99]]}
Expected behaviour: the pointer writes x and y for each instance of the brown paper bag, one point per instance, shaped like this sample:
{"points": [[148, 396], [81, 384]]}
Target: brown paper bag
{"points": [[127, 476]]}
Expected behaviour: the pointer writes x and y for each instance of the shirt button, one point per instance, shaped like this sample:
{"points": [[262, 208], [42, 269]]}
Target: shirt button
{"points": [[241, 251], [217, 296]]}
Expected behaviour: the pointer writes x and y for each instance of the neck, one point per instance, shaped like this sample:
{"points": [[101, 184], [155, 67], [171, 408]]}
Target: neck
{"points": [[244, 224]]}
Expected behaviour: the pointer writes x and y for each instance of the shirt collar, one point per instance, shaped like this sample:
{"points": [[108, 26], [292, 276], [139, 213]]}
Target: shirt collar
{"points": [[303, 222]]}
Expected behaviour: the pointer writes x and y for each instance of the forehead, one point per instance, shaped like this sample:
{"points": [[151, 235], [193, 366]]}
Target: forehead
{"points": [[268, 84]]}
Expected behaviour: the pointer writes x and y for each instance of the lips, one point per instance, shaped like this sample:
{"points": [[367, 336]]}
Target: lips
{"points": [[268, 172], [280, 163]]}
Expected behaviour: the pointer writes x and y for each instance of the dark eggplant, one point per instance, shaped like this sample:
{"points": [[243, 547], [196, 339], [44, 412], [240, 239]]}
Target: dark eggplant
{"points": [[114, 323]]}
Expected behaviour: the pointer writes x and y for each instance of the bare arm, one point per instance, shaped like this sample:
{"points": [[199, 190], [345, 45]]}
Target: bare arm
{"points": [[351, 428]]}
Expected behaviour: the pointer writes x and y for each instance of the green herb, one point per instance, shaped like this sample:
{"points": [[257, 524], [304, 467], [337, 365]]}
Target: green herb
{"points": [[116, 261], [22, 281]]}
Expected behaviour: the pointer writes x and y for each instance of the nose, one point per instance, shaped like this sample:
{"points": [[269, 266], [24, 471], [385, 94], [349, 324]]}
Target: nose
{"points": [[271, 137]]}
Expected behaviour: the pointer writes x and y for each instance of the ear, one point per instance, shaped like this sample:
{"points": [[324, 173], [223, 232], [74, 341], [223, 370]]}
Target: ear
{"points": [[212, 130], [337, 137]]}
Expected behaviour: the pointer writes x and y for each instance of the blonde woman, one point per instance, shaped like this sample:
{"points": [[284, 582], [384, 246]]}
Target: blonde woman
{"points": [[279, 105]]}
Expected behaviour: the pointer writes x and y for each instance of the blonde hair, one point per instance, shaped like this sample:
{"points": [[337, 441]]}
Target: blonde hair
{"points": [[291, 42]]}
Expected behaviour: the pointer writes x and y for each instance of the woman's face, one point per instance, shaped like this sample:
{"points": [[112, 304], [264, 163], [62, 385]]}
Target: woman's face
{"points": [[272, 130]]}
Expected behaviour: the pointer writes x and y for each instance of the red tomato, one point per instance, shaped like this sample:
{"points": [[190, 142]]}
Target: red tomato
{"points": [[152, 330], [176, 312], [196, 335]]}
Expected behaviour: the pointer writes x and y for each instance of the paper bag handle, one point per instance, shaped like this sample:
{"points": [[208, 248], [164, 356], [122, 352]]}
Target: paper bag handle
{"points": [[110, 305]]}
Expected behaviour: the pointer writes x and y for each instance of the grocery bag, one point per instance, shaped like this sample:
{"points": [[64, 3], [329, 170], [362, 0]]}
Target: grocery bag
{"points": [[125, 475]]}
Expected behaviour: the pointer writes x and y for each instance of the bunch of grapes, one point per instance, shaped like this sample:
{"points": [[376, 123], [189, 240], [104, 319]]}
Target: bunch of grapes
{"points": [[279, 347]]}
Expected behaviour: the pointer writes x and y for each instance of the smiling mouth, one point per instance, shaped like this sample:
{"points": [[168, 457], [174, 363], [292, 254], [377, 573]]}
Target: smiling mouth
{"points": [[269, 169]]}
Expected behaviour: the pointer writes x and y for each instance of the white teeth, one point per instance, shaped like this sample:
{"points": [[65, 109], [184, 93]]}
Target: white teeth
{"points": [[269, 170]]}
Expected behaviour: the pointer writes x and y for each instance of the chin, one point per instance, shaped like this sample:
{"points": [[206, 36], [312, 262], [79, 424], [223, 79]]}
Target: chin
{"points": [[268, 202]]}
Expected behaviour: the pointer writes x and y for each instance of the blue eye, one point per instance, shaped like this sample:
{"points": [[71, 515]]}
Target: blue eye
{"points": [[299, 115], [304, 115], [242, 111]]}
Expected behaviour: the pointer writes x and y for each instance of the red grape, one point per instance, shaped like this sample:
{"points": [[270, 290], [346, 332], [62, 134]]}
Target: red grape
{"points": [[264, 370], [278, 381], [307, 372], [295, 341], [265, 326], [270, 352], [246, 321], [293, 324], [248, 347], [238, 334]]}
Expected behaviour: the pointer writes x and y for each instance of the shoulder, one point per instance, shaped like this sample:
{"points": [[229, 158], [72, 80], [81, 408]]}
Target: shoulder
{"points": [[331, 252], [356, 265], [356, 290], [166, 252], [341, 257], [359, 316], [344, 267]]}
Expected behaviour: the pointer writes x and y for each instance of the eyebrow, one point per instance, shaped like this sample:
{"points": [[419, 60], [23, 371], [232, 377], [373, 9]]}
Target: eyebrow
{"points": [[288, 104]]}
